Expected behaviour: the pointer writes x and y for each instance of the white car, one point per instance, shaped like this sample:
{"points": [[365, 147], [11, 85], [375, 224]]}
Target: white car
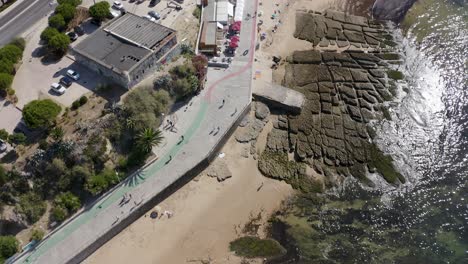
{"points": [[73, 74], [115, 13], [150, 18], [117, 5], [58, 88]]}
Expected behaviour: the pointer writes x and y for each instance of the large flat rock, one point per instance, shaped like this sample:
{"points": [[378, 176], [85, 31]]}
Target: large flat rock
{"points": [[279, 96]]}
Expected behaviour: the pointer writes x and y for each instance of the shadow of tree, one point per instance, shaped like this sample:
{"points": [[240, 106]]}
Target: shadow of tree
{"points": [[135, 178]]}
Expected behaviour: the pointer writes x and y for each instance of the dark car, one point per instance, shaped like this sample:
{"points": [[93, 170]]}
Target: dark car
{"points": [[72, 35], [154, 2], [79, 30], [96, 22], [66, 81]]}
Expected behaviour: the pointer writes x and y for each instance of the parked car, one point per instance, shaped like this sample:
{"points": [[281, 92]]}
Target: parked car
{"points": [[72, 35], [117, 5], [79, 30], [96, 22], [154, 14], [115, 13], [154, 2], [150, 18], [73, 74], [3, 146], [66, 81], [58, 88]]}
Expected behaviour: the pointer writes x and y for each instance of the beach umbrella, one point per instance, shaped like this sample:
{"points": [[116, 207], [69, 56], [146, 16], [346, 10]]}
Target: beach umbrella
{"points": [[235, 38], [233, 44]]}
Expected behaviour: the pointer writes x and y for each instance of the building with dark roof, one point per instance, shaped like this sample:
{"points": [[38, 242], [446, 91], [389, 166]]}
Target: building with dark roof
{"points": [[127, 49]]}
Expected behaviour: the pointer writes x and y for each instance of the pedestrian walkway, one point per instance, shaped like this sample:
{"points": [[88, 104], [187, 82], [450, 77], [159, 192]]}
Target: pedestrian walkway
{"points": [[72, 242]]}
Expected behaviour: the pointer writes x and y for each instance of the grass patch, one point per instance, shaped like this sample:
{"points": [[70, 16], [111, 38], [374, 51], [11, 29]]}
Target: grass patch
{"points": [[253, 247], [384, 165], [395, 75], [5, 6]]}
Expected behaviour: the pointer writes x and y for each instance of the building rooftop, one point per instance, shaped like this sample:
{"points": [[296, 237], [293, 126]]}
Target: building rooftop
{"points": [[124, 42]]}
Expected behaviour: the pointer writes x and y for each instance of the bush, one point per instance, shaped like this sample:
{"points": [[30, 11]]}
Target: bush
{"points": [[11, 53], [79, 102], [5, 81], [80, 174], [57, 133], [3, 134], [101, 182], [57, 21], [43, 144], [3, 176], [66, 10], [253, 247], [59, 214], [48, 33], [31, 206], [40, 113], [65, 205], [59, 44], [197, 12], [6, 66], [19, 42], [8, 246], [70, 2], [100, 10], [18, 138], [83, 100], [37, 234]]}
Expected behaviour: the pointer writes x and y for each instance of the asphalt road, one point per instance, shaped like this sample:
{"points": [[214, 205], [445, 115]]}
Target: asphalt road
{"points": [[13, 23]]}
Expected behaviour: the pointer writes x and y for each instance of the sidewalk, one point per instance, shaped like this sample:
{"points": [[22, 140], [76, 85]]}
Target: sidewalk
{"points": [[75, 241]]}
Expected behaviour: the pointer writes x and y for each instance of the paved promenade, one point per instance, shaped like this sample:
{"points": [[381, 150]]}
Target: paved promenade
{"points": [[203, 123]]}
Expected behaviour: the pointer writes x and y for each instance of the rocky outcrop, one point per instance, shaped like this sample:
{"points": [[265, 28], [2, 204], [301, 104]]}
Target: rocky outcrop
{"points": [[11, 222], [393, 10], [219, 169]]}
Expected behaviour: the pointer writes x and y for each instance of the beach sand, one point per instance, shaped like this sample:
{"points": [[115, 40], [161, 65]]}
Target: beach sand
{"points": [[207, 215]]}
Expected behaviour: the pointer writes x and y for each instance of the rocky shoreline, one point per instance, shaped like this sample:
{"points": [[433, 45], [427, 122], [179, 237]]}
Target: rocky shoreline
{"points": [[346, 80]]}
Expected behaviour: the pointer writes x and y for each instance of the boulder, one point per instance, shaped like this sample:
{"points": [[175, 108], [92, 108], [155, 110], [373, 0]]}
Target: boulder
{"points": [[219, 169], [394, 10], [261, 111], [11, 222]]}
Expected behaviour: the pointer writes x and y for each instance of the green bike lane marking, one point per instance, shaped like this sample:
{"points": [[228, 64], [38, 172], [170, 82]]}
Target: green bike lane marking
{"points": [[119, 192]]}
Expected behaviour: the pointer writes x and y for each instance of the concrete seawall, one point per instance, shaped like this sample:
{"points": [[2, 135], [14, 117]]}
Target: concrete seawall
{"points": [[187, 177]]}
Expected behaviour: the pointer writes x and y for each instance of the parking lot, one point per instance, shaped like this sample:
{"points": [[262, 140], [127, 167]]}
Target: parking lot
{"points": [[35, 76]]}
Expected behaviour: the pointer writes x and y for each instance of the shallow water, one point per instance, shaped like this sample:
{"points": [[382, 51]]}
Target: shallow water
{"points": [[424, 221]]}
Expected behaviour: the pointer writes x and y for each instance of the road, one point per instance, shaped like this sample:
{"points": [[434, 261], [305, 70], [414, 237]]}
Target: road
{"points": [[15, 21]]}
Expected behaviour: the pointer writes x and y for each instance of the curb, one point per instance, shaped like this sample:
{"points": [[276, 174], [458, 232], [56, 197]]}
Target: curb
{"points": [[8, 10]]}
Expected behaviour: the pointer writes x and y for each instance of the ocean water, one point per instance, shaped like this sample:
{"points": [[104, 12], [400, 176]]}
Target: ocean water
{"points": [[425, 220]]}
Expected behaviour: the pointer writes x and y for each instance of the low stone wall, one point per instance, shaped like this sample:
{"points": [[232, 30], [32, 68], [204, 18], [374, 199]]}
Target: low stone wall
{"points": [[145, 207]]}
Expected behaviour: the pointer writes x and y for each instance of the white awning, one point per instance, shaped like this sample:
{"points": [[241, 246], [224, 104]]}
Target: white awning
{"points": [[239, 10], [219, 25]]}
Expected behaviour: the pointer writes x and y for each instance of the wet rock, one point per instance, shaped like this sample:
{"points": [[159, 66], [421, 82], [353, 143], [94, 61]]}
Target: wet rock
{"points": [[307, 57], [340, 74], [278, 140], [355, 113], [359, 76]]}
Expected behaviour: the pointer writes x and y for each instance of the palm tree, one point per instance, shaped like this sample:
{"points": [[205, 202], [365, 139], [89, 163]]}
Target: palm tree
{"points": [[148, 138]]}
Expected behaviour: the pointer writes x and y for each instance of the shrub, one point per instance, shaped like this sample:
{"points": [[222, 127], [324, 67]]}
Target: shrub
{"points": [[100, 10], [70, 2], [31, 206], [80, 174], [19, 42], [10, 92], [40, 113], [3, 175], [3, 134], [253, 247], [37, 234], [57, 21], [68, 201], [11, 52], [59, 44], [57, 133], [75, 105], [99, 183], [43, 144], [66, 10], [83, 100], [197, 12], [48, 33], [5, 81], [8, 246], [18, 138], [6, 66], [59, 214]]}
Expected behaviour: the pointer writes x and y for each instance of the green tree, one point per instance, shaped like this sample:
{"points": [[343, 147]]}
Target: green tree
{"points": [[100, 10], [3, 176], [6, 66], [59, 44], [11, 52], [70, 2], [66, 10], [37, 234], [19, 42], [69, 201], [5, 81], [4, 134], [40, 113], [80, 173], [148, 138], [56, 169], [57, 21], [57, 133], [8, 246], [59, 213], [48, 33], [99, 183], [17, 138], [31, 206]]}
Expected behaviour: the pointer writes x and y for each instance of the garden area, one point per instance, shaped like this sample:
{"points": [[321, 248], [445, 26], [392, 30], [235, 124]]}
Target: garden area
{"points": [[78, 153], [10, 58]]}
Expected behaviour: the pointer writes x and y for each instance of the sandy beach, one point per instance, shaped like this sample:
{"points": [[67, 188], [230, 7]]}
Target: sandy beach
{"points": [[208, 214]]}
